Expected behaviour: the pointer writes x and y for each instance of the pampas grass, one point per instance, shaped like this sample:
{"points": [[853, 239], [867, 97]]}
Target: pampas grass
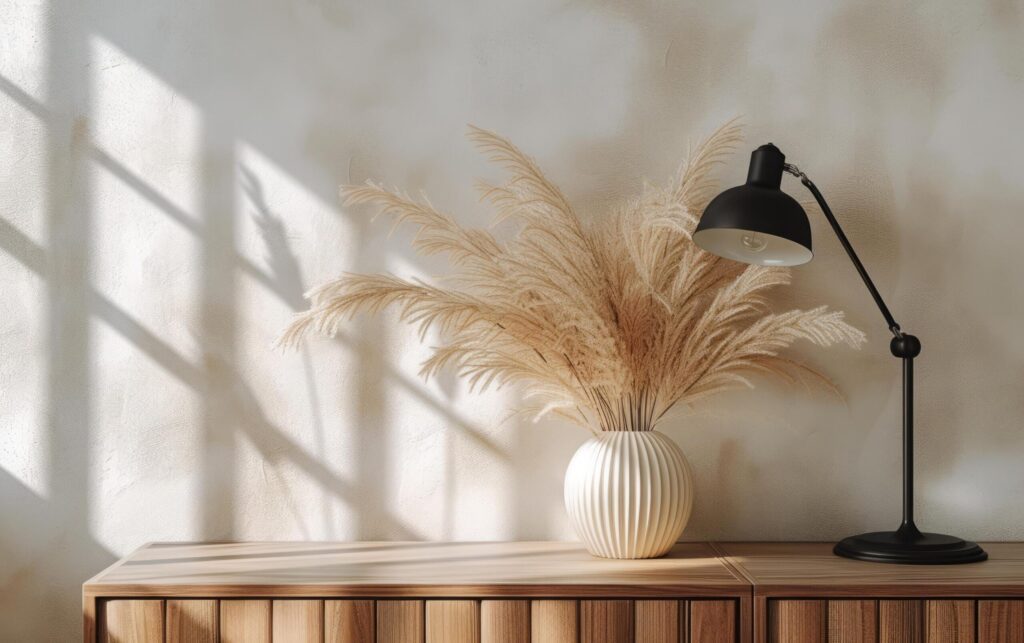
{"points": [[609, 325]]}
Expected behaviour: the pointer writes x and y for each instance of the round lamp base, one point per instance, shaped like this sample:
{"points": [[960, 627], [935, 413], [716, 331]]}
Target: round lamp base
{"points": [[922, 549]]}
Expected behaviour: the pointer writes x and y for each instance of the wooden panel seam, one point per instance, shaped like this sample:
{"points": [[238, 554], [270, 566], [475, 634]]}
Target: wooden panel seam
{"points": [[747, 618]]}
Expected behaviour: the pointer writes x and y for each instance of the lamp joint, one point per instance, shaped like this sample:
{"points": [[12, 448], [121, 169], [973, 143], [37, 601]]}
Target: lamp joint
{"points": [[795, 171]]}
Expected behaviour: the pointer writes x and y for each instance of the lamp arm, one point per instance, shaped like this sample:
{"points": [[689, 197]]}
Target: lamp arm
{"points": [[850, 252], [903, 345]]}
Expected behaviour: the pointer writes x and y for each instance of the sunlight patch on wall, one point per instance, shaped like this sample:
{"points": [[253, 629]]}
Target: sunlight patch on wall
{"points": [[461, 434], [285, 232], [24, 57], [143, 143], [145, 146], [23, 145], [288, 239], [23, 281], [146, 125]]}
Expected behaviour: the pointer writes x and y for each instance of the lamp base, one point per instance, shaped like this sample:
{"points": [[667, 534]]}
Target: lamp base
{"points": [[910, 547]]}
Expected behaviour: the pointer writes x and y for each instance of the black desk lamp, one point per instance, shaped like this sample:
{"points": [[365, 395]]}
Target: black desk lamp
{"points": [[758, 223]]}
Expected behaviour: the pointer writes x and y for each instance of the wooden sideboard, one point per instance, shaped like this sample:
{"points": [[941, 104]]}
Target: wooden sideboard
{"points": [[376, 592], [803, 594]]}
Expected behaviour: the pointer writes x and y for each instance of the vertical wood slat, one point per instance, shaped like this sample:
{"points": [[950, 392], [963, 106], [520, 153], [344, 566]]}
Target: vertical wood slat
{"points": [[90, 618], [606, 621], [505, 621], [244, 621], [949, 621], [1000, 621], [399, 621], [712, 622], [901, 621], [132, 621], [451, 621], [554, 621], [191, 621], [349, 621], [657, 621], [796, 621], [298, 621], [852, 621]]}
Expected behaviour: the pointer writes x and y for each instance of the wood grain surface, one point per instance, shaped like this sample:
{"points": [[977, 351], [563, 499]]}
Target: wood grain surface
{"points": [[554, 621], [901, 621], [950, 621], [504, 621], [797, 621], [132, 621], [811, 569], [606, 621], [713, 621], [893, 621], [244, 621], [1000, 621], [851, 621], [657, 621], [400, 621], [349, 622], [297, 621], [453, 622], [415, 570], [546, 593], [191, 621]]}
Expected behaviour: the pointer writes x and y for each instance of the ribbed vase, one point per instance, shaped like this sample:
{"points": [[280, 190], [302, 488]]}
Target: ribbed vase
{"points": [[629, 494]]}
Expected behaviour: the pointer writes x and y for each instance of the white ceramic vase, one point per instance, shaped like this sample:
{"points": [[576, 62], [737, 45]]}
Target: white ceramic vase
{"points": [[629, 494]]}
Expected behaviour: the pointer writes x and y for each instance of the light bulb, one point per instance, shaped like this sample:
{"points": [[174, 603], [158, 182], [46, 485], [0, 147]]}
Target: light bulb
{"points": [[754, 242]]}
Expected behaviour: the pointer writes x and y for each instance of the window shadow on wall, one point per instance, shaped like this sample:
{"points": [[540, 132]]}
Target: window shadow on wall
{"points": [[50, 549]]}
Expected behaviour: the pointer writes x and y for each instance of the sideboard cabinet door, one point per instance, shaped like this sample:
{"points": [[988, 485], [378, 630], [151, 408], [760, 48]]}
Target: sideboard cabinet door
{"points": [[1000, 621], [297, 621], [606, 621], [505, 621], [400, 621], [132, 621], [191, 621], [554, 621], [350, 621], [894, 621], [453, 621], [244, 621]]}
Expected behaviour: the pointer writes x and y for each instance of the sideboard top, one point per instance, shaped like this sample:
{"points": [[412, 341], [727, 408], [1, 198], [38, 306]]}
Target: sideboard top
{"points": [[811, 569], [537, 569], [424, 569]]}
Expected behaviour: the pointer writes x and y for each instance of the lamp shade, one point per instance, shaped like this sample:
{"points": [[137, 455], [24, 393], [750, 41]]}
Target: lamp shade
{"points": [[757, 222]]}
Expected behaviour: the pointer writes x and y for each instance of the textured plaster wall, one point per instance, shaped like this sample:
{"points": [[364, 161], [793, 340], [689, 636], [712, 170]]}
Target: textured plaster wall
{"points": [[167, 192]]}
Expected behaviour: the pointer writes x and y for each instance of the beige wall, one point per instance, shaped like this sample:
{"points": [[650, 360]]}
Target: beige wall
{"points": [[168, 192]]}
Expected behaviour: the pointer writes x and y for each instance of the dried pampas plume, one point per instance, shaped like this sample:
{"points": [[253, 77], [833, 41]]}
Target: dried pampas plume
{"points": [[610, 325]]}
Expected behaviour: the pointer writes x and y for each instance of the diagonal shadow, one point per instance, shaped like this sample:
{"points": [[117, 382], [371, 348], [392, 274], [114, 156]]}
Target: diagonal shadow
{"points": [[286, 285], [230, 406], [140, 187], [270, 440], [22, 98], [29, 580], [287, 282]]}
